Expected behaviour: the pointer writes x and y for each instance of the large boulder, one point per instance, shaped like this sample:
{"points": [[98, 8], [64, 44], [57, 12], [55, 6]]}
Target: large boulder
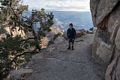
{"points": [[104, 52], [106, 46]]}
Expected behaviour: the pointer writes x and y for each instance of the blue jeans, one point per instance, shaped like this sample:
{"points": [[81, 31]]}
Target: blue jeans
{"points": [[71, 43]]}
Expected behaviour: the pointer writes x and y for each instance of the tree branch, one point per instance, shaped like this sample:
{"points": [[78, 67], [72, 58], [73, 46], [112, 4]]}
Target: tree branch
{"points": [[21, 55]]}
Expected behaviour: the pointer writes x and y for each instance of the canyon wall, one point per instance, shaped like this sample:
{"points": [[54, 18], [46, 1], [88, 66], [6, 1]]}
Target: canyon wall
{"points": [[106, 46]]}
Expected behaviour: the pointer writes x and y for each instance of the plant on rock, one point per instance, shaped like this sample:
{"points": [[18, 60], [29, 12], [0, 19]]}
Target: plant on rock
{"points": [[15, 44]]}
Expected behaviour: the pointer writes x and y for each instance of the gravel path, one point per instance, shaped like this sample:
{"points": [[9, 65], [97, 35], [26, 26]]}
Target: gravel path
{"points": [[58, 63]]}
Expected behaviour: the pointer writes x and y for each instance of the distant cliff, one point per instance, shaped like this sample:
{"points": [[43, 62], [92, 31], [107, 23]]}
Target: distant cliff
{"points": [[106, 47]]}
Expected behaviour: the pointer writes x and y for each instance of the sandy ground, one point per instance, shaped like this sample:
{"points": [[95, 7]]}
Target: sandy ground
{"points": [[58, 63]]}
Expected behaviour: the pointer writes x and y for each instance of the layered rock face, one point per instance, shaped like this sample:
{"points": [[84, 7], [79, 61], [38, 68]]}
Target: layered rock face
{"points": [[106, 47]]}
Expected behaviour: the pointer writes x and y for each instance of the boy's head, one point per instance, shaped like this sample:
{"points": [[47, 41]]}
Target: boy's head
{"points": [[70, 25]]}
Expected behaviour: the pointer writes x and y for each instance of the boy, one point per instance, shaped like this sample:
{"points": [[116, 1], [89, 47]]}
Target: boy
{"points": [[71, 34]]}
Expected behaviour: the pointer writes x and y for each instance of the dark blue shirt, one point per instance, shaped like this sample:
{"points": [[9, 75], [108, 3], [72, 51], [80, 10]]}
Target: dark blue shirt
{"points": [[71, 33]]}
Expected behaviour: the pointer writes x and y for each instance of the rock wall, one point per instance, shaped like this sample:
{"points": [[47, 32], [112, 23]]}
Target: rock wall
{"points": [[106, 47]]}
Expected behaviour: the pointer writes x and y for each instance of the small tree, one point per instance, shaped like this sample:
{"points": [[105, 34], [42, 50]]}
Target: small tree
{"points": [[14, 50]]}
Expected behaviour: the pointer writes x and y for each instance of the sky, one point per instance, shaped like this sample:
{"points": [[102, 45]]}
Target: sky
{"points": [[59, 5]]}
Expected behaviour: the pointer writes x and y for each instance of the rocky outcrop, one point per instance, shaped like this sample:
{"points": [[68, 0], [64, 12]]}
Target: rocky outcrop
{"points": [[106, 47], [50, 36], [80, 33]]}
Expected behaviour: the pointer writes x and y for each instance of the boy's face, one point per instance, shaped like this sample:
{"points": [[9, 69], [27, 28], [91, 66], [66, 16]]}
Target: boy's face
{"points": [[70, 26]]}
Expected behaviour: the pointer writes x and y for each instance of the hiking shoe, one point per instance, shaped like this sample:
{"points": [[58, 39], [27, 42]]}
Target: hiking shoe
{"points": [[68, 48], [72, 48]]}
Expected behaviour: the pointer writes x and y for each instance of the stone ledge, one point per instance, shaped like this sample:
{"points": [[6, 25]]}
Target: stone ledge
{"points": [[20, 74]]}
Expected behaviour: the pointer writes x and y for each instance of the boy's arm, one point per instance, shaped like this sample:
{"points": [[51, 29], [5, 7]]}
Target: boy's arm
{"points": [[68, 33], [75, 32]]}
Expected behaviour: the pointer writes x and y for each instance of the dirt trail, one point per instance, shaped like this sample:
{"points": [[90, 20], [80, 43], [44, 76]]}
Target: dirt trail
{"points": [[58, 63]]}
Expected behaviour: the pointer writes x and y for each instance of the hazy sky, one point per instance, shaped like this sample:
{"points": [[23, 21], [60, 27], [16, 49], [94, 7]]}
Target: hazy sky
{"points": [[69, 5]]}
